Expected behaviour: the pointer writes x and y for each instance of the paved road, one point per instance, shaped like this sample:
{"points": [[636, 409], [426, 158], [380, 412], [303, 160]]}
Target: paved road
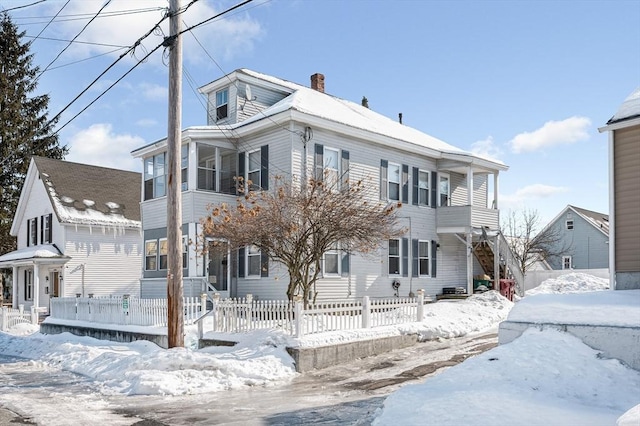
{"points": [[347, 394]]}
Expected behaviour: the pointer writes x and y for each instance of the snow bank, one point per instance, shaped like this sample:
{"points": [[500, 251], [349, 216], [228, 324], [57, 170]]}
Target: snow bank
{"points": [[572, 282], [543, 378]]}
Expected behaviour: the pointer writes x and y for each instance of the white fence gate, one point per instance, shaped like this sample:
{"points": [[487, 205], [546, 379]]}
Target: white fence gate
{"points": [[10, 317]]}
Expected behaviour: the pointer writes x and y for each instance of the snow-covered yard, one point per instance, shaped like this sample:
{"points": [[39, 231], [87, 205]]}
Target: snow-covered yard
{"points": [[540, 378]]}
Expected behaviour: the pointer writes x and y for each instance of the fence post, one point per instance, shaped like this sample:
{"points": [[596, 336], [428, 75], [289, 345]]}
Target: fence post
{"points": [[4, 320], [420, 310], [366, 312], [34, 316], [214, 307], [203, 309], [299, 309]]}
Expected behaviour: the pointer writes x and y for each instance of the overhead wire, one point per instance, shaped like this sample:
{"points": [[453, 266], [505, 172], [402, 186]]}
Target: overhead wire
{"points": [[25, 5], [82, 16], [51, 20], [166, 42], [77, 35]]}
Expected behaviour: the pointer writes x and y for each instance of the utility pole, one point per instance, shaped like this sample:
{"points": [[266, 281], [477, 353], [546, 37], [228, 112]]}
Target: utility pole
{"points": [[175, 294]]}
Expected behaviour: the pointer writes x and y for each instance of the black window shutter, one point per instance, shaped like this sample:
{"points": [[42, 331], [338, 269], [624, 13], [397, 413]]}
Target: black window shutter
{"points": [[264, 167], [25, 284], [434, 257], [50, 228], [264, 264], [414, 253], [319, 161], [384, 164], [405, 184], [241, 262], [346, 258], [242, 158], [345, 169], [35, 224], [405, 257], [28, 233], [434, 189], [416, 176], [42, 229]]}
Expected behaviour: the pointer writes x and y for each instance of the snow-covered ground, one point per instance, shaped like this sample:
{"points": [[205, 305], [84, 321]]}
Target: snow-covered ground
{"points": [[541, 378]]}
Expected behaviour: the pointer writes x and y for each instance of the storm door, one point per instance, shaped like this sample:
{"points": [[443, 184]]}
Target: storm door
{"points": [[217, 267]]}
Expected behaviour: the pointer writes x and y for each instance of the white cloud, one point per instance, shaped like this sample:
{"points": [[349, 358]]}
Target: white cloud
{"points": [[570, 130], [147, 122], [530, 194], [99, 146], [154, 92], [486, 148]]}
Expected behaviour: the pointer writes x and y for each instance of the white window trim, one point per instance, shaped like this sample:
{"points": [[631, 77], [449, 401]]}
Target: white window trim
{"points": [[440, 176], [29, 286], [246, 264], [564, 259], [428, 257], [399, 256], [155, 240], [335, 185], [222, 104], [254, 184], [46, 226], [334, 251], [389, 181], [33, 226], [426, 204]]}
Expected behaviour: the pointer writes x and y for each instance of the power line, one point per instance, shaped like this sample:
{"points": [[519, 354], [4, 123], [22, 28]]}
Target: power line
{"points": [[51, 20], [26, 5], [87, 59], [78, 35], [81, 16], [76, 41], [165, 43]]}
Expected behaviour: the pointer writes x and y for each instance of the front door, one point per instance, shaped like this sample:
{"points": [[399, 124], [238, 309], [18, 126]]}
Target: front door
{"points": [[217, 266], [54, 286]]}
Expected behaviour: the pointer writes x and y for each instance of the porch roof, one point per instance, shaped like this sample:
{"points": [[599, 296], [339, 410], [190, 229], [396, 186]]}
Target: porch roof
{"points": [[46, 253]]}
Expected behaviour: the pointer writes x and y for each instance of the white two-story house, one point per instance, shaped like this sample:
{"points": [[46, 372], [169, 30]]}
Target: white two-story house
{"points": [[259, 127], [78, 233]]}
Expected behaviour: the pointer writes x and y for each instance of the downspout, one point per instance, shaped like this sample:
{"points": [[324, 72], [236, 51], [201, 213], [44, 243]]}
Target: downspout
{"points": [[612, 215]]}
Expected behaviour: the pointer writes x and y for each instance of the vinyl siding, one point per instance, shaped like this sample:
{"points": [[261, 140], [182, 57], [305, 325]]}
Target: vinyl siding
{"points": [[627, 199], [38, 205], [112, 259], [588, 246]]}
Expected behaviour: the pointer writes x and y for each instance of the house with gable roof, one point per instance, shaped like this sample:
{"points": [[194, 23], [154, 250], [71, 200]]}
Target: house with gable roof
{"points": [[583, 239], [624, 193], [259, 126], [78, 233]]}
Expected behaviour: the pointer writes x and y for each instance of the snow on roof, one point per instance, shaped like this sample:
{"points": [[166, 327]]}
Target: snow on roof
{"points": [[630, 108], [90, 195], [36, 252], [319, 104]]}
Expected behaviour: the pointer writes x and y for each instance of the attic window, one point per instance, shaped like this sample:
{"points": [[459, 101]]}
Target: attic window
{"points": [[222, 99], [569, 224]]}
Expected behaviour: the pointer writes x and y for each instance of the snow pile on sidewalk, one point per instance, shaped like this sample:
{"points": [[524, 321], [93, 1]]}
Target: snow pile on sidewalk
{"points": [[573, 282], [542, 378]]}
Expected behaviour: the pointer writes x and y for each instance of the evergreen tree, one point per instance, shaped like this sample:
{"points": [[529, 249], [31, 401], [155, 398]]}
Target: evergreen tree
{"points": [[25, 129]]}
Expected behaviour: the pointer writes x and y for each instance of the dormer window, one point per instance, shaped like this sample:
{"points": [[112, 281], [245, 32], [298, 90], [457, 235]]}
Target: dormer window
{"points": [[222, 99]]}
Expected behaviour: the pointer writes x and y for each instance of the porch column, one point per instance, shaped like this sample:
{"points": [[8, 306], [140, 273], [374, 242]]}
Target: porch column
{"points": [[470, 186], [36, 285], [469, 264], [14, 293], [495, 190]]}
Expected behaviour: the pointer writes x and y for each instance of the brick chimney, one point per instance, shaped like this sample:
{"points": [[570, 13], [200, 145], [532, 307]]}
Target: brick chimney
{"points": [[317, 82]]}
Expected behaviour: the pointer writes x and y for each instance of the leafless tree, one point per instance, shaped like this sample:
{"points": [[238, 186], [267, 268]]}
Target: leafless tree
{"points": [[528, 242], [296, 227]]}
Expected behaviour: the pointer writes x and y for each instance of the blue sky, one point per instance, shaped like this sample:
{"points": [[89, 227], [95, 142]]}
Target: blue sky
{"points": [[528, 82]]}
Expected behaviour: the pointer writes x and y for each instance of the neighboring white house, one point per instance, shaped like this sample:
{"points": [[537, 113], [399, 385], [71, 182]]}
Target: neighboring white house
{"points": [[261, 126], [624, 193], [78, 233]]}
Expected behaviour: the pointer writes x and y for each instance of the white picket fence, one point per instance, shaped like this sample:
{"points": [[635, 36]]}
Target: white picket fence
{"points": [[122, 310], [10, 317], [246, 314]]}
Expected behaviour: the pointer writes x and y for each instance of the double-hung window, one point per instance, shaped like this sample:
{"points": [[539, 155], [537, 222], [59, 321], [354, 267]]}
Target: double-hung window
{"points": [[32, 235], [151, 255], [253, 172], [444, 190], [331, 167], [46, 229], [569, 224], [155, 176], [567, 262], [423, 188], [222, 100], [423, 258], [254, 257], [394, 182], [206, 167], [394, 257], [28, 284], [184, 167], [164, 250], [331, 261]]}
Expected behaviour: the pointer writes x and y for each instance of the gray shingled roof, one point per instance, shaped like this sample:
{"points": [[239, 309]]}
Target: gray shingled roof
{"points": [[599, 220], [81, 193], [629, 109]]}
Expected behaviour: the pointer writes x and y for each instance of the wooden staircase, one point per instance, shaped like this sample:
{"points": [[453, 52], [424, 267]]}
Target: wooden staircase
{"points": [[484, 253]]}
